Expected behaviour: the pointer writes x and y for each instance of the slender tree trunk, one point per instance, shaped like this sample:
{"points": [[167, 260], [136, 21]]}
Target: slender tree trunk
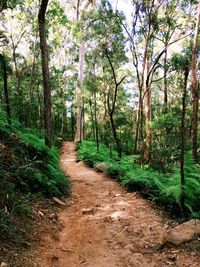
{"points": [[45, 72], [147, 153], [40, 119], [115, 136], [195, 92], [182, 193], [165, 81], [18, 80], [62, 123], [79, 96], [72, 123], [96, 121], [147, 109], [138, 122], [31, 82], [111, 107], [92, 119], [5, 82]]}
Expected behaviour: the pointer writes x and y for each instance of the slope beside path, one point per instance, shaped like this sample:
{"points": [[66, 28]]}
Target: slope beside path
{"points": [[105, 226]]}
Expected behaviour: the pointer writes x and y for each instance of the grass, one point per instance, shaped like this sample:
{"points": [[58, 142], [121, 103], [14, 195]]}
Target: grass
{"points": [[161, 188]]}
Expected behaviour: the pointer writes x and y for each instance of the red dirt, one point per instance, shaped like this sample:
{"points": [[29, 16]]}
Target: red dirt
{"points": [[104, 226]]}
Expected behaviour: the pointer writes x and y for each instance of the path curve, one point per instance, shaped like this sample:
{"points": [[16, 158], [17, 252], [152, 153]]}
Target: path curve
{"points": [[104, 226]]}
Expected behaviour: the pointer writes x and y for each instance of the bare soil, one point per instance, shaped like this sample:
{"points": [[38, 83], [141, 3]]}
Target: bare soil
{"points": [[105, 226]]}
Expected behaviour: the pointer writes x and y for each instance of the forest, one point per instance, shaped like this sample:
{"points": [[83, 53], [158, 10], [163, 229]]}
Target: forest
{"points": [[118, 78]]}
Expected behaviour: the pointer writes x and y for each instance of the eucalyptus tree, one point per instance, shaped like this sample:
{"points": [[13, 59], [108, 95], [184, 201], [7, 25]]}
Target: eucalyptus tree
{"points": [[3, 65], [79, 94], [45, 71], [106, 43], [195, 89], [156, 27]]}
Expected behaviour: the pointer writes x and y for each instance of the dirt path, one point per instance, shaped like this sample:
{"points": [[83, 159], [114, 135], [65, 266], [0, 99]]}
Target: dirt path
{"points": [[104, 226]]}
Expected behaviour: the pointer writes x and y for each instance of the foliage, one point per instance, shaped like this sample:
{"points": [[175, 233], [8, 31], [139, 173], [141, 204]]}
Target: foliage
{"points": [[27, 167], [164, 189]]}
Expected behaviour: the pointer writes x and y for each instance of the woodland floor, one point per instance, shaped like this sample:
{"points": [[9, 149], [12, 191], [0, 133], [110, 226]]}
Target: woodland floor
{"points": [[104, 226]]}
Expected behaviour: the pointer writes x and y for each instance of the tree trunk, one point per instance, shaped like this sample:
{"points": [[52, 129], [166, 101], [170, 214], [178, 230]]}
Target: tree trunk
{"points": [[92, 119], [147, 109], [147, 152], [6, 94], [114, 132], [182, 193], [96, 122], [79, 96], [195, 93], [40, 120], [165, 81], [31, 83], [135, 150], [72, 123], [45, 72]]}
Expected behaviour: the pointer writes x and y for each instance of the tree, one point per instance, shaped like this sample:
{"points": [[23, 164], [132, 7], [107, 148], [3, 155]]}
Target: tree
{"points": [[195, 89], [5, 81], [45, 71], [182, 162], [112, 105], [79, 96]]}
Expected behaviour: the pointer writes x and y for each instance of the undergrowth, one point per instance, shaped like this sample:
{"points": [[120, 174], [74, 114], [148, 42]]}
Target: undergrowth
{"points": [[161, 188], [27, 168]]}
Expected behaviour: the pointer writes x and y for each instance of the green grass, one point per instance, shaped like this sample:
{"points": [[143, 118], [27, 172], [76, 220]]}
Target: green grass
{"points": [[161, 188]]}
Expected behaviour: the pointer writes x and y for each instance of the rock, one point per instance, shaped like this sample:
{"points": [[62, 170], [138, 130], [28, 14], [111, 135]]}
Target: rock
{"points": [[183, 233], [41, 213], [88, 211], [58, 201], [102, 167], [53, 216], [3, 264], [171, 257]]}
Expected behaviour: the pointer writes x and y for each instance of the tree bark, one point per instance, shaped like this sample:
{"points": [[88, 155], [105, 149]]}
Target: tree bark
{"points": [[111, 107], [45, 72], [5, 82], [79, 96], [18, 74], [92, 120], [31, 82], [195, 92], [165, 81], [96, 122], [182, 193]]}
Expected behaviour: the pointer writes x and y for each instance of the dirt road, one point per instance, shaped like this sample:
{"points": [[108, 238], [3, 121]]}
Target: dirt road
{"points": [[104, 226]]}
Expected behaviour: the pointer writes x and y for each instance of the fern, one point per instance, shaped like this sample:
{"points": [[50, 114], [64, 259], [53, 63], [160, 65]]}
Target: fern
{"points": [[164, 189]]}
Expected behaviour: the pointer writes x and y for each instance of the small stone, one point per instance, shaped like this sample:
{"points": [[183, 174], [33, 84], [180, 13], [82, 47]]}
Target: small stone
{"points": [[41, 213], [58, 201], [53, 216], [172, 257], [183, 233], [3, 264], [102, 167]]}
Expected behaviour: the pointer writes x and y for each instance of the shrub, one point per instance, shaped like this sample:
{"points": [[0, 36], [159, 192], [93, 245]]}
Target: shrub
{"points": [[157, 186]]}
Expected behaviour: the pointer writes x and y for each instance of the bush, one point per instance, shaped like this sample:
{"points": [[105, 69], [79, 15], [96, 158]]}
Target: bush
{"points": [[27, 166], [157, 186]]}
